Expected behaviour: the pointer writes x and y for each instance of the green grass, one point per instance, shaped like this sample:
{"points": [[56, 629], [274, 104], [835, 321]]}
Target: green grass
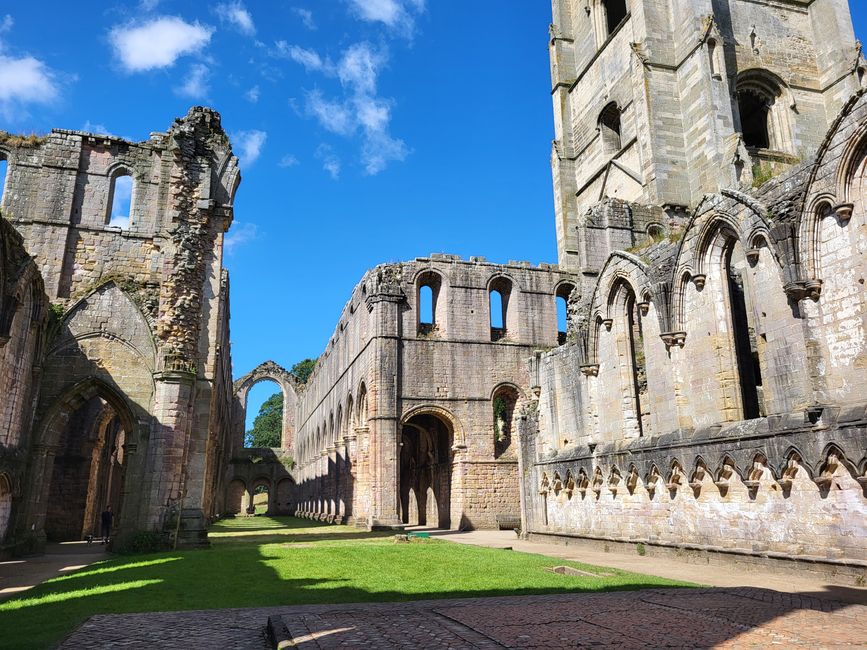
{"points": [[262, 561]]}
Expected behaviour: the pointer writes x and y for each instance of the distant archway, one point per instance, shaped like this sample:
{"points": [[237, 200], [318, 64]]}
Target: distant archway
{"points": [[286, 381]]}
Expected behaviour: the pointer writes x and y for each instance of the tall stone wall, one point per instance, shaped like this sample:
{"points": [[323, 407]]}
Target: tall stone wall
{"points": [[712, 392], [141, 332], [390, 382], [24, 318]]}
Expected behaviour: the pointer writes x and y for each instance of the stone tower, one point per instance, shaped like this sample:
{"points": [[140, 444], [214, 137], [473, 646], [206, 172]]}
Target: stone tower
{"points": [[658, 103]]}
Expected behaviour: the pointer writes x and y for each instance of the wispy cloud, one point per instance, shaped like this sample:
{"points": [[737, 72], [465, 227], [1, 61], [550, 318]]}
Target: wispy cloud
{"points": [[360, 110], [239, 234], [195, 84], [397, 14], [252, 95], [237, 15], [157, 43], [330, 160], [149, 5], [289, 161], [6, 23], [306, 17], [99, 129], [248, 145]]}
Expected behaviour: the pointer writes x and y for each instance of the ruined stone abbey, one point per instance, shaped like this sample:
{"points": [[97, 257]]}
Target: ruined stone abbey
{"points": [[710, 183]]}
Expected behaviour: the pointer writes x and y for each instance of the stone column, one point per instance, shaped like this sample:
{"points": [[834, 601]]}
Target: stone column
{"points": [[384, 305], [174, 392]]}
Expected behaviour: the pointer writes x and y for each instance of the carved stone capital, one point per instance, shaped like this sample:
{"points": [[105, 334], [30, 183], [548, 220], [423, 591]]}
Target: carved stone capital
{"points": [[607, 323], [673, 338], [699, 281], [844, 212], [590, 370], [643, 308]]}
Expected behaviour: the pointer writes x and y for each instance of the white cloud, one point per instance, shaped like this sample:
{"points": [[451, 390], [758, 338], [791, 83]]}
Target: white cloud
{"points": [[195, 83], [236, 14], [149, 5], [306, 17], [240, 233], [99, 129], [308, 58], [157, 43], [248, 145], [252, 95], [25, 80], [397, 14], [6, 24], [333, 116], [359, 67], [289, 161], [330, 161]]}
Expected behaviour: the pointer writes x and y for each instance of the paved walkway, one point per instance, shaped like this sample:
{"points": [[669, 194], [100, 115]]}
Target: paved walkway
{"points": [[25, 573], [703, 574], [669, 618]]}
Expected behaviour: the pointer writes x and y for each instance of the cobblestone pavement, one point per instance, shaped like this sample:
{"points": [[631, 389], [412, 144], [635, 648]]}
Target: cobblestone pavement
{"points": [[666, 618]]}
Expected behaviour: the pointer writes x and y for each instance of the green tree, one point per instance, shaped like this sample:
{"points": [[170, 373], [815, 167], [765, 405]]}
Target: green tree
{"points": [[267, 428], [302, 370]]}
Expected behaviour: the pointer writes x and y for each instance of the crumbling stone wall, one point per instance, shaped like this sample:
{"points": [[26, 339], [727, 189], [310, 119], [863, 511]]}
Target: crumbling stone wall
{"points": [[387, 374], [24, 318], [755, 438], [144, 307]]}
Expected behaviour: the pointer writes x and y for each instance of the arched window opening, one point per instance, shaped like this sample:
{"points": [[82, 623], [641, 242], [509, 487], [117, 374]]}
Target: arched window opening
{"points": [[624, 358], [503, 406], [120, 200], [362, 406], [429, 318], [743, 331], [499, 293], [264, 416], [4, 169], [562, 297], [754, 111], [763, 111], [609, 129], [861, 74]]}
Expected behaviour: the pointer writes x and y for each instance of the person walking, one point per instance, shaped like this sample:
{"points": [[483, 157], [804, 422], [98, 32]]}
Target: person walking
{"points": [[107, 520]]}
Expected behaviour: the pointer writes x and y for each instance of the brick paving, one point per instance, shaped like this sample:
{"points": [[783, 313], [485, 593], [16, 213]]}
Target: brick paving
{"points": [[666, 618]]}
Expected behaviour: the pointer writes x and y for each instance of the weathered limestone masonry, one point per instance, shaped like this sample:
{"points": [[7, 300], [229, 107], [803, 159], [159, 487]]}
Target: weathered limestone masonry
{"points": [[408, 416], [711, 393], [23, 316], [658, 102], [133, 407]]}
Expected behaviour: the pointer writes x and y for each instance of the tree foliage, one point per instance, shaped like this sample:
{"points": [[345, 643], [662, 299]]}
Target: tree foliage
{"points": [[302, 370], [267, 428]]}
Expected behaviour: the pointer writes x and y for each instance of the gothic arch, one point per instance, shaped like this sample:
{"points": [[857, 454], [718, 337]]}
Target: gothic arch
{"points": [[443, 414], [267, 371]]}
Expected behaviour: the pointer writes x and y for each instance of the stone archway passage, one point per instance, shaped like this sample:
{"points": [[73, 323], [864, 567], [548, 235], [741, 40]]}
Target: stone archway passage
{"points": [[426, 471], [267, 371], [88, 471]]}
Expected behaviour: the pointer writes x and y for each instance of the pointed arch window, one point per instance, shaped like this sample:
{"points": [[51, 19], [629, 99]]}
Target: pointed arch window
{"points": [[4, 172], [608, 15], [764, 111], [499, 293]]}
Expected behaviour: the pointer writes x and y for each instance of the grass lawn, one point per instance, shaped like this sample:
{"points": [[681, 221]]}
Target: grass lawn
{"points": [[262, 561]]}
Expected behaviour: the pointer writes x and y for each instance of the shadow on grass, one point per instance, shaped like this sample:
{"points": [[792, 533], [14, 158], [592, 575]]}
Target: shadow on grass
{"points": [[298, 538], [254, 575]]}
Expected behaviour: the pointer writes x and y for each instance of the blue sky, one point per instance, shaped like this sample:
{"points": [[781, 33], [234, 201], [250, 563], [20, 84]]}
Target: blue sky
{"points": [[368, 131]]}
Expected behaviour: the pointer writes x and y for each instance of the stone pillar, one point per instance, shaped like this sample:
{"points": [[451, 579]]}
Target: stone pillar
{"points": [[174, 392], [384, 305], [39, 485]]}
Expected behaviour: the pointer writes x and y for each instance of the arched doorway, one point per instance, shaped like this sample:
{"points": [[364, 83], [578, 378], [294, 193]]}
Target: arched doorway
{"points": [[261, 497], [236, 499], [90, 431], [426, 470]]}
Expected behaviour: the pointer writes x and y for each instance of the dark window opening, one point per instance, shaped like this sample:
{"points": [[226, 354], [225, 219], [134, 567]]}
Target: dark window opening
{"points": [[639, 364], [746, 353], [615, 13], [609, 128], [754, 110]]}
